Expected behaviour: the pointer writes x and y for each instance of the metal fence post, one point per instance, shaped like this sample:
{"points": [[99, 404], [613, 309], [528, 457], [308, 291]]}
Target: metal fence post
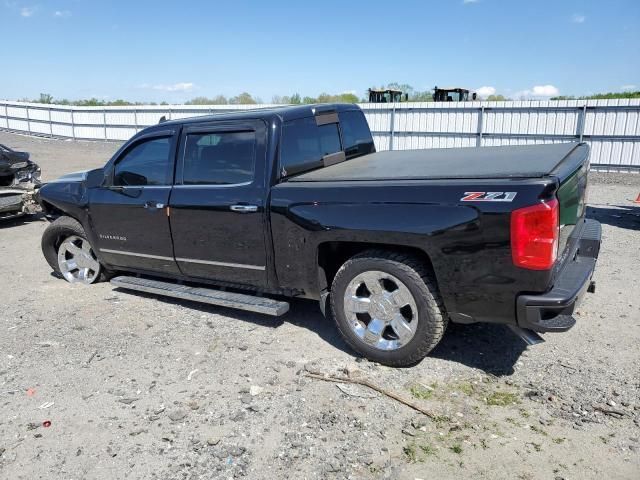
{"points": [[480, 127], [50, 123], [73, 125], [582, 116], [135, 118], [26, 109], [104, 121], [392, 127]]}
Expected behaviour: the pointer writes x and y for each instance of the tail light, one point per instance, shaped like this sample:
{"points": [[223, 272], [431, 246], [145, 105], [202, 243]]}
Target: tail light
{"points": [[534, 236]]}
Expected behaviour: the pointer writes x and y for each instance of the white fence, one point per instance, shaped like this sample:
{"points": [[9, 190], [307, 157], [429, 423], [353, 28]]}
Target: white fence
{"points": [[611, 127]]}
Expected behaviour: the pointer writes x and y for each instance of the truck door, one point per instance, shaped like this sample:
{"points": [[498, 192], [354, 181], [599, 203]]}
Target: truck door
{"points": [[128, 214], [218, 202]]}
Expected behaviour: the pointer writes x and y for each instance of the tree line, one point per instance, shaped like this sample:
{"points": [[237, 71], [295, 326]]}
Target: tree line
{"points": [[246, 98]]}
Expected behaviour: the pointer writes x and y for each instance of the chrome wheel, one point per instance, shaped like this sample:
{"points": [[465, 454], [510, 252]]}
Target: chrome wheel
{"points": [[77, 262], [381, 310]]}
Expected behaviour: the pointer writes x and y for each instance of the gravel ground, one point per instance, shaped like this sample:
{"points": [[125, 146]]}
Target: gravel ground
{"points": [[136, 386]]}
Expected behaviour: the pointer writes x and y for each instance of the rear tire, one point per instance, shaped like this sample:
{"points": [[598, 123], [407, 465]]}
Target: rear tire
{"points": [[401, 321], [69, 253]]}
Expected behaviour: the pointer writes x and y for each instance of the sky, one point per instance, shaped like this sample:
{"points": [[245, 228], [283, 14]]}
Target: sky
{"points": [[143, 50]]}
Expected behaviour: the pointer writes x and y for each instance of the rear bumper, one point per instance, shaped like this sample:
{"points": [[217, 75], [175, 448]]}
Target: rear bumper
{"points": [[553, 311]]}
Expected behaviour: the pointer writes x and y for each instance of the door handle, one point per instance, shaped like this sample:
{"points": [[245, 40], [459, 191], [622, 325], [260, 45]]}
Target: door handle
{"points": [[153, 205], [244, 208]]}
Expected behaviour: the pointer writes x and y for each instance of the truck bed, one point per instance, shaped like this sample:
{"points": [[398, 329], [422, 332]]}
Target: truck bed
{"points": [[527, 161]]}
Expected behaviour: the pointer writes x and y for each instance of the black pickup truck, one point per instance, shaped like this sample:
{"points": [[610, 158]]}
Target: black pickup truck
{"points": [[245, 209]]}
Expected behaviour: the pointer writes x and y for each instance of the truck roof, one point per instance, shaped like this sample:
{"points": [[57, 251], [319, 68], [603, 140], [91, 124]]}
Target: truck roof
{"points": [[526, 161], [285, 113]]}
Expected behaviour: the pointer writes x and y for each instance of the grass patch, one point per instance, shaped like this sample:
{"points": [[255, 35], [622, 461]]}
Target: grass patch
{"points": [[421, 392], [465, 387], [428, 450], [502, 399], [536, 446], [513, 421], [411, 453], [456, 448], [539, 430], [559, 440]]}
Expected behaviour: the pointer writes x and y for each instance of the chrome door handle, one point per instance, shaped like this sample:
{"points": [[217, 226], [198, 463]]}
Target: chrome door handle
{"points": [[244, 208], [154, 205]]}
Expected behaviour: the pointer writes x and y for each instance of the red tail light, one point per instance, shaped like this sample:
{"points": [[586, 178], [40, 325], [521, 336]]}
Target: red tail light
{"points": [[534, 236]]}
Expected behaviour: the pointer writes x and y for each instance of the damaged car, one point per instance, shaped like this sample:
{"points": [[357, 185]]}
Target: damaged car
{"points": [[19, 182]]}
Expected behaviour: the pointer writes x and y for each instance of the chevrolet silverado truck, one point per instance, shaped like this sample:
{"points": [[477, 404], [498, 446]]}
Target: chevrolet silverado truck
{"points": [[248, 209]]}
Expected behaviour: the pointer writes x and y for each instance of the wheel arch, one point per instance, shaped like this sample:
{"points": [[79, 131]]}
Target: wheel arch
{"points": [[331, 255]]}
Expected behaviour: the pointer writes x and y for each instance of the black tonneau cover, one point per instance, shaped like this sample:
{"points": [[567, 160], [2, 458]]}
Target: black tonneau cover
{"points": [[527, 161]]}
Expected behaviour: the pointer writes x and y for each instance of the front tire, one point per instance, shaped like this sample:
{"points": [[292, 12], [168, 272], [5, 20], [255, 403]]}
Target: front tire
{"points": [[387, 307], [69, 253]]}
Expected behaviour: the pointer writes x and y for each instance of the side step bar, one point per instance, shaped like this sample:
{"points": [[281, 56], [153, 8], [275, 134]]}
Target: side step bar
{"points": [[204, 295]]}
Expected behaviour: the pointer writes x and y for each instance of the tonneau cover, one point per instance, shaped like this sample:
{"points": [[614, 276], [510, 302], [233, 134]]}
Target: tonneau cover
{"points": [[527, 161]]}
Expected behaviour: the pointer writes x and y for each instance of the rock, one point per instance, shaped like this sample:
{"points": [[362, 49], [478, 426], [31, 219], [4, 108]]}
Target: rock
{"points": [[128, 401], [246, 398], [213, 440], [177, 415], [255, 390], [611, 403], [238, 417]]}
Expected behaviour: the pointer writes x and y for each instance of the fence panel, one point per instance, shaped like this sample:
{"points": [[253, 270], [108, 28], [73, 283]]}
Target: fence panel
{"points": [[611, 127]]}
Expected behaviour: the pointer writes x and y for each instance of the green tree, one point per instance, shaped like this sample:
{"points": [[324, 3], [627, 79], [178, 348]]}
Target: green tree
{"points": [[45, 98], [217, 100], [496, 98], [243, 99]]}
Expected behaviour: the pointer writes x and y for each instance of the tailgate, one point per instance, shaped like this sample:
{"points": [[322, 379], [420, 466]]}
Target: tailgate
{"points": [[572, 174]]}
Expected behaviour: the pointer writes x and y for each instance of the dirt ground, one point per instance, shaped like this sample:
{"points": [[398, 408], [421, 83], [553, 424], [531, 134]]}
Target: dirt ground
{"points": [[136, 386]]}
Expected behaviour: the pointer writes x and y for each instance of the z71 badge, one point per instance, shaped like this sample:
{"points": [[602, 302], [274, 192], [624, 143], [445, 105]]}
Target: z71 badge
{"points": [[488, 196]]}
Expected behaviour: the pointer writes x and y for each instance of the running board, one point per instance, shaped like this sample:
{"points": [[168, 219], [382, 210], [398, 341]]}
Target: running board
{"points": [[204, 295], [528, 336]]}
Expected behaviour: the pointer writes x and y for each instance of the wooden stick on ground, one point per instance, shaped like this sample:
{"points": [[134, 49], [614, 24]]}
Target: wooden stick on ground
{"points": [[372, 386]]}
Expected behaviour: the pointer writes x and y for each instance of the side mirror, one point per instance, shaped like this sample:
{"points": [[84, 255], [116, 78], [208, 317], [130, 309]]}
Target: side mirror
{"points": [[95, 178]]}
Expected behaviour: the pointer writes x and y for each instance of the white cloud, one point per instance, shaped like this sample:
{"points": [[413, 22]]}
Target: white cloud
{"points": [[176, 87], [578, 18], [27, 11], [484, 92], [628, 87], [538, 92], [62, 14]]}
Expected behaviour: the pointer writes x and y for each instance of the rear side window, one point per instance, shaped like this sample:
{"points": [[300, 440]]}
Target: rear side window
{"points": [[221, 158], [147, 163], [356, 135], [304, 143]]}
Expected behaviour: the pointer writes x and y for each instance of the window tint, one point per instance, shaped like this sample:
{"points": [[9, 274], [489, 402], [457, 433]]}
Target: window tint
{"points": [[356, 135], [304, 144], [219, 158], [147, 163]]}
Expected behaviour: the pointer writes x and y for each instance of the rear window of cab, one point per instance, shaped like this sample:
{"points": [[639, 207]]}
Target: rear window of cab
{"points": [[305, 143]]}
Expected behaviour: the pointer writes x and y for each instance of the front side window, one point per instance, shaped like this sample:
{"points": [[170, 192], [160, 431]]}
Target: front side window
{"points": [[356, 135], [147, 163], [222, 158], [304, 143]]}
